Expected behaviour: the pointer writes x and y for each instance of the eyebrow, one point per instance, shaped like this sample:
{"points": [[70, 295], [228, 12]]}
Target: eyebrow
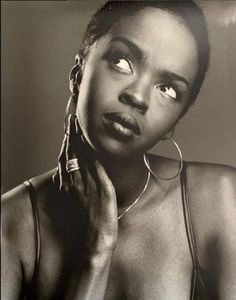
{"points": [[132, 46], [140, 54], [172, 75]]}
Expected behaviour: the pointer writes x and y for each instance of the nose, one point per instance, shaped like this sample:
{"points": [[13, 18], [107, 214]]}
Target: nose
{"points": [[136, 95]]}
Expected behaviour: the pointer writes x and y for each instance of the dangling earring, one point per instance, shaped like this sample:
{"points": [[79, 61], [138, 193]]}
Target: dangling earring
{"points": [[147, 163]]}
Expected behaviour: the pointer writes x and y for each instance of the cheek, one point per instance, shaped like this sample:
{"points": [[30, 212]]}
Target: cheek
{"points": [[160, 119], [97, 94], [164, 112], [157, 126], [95, 87]]}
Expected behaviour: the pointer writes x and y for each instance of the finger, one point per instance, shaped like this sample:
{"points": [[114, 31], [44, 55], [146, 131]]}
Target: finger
{"points": [[75, 175], [106, 191], [104, 181], [90, 186], [63, 176], [63, 147]]}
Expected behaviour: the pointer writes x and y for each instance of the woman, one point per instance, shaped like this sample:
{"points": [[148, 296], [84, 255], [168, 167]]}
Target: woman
{"points": [[113, 222]]}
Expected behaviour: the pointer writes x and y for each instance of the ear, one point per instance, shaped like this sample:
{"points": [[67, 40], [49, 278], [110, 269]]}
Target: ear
{"points": [[74, 82]]}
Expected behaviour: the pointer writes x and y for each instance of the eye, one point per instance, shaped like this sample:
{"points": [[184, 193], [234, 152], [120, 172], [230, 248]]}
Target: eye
{"points": [[168, 90], [121, 63]]}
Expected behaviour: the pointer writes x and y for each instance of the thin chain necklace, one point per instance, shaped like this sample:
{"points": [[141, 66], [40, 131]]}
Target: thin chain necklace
{"points": [[140, 195]]}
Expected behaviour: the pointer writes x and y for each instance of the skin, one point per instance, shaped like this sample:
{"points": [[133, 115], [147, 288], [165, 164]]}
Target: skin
{"points": [[86, 252], [105, 85]]}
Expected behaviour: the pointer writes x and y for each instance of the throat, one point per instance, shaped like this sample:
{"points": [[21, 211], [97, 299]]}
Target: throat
{"points": [[128, 177]]}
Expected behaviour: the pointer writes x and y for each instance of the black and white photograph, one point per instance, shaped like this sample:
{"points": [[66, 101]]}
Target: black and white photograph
{"points": [[118, 150]]}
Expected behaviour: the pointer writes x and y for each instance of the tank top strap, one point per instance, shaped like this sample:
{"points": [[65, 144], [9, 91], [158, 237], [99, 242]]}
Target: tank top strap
{"points": [[198, 287], [187, 217], [37, 238], [189, 231]]}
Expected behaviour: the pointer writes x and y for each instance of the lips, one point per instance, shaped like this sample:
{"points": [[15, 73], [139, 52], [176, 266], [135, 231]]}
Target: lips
{"points": [[124, 120]]}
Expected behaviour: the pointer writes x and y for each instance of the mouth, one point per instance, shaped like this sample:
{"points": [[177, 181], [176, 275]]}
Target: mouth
{"points": [[122, 124]]}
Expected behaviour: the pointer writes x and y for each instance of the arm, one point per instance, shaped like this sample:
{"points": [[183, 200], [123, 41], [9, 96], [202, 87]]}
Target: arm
{"points": [[225, 252], [92, 282], [91, 188], [10, 270], [212, 190], [16, 233]]}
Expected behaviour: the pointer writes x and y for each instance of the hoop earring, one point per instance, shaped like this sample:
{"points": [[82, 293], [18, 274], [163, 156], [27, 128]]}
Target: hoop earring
{"points": [[147, 163]]}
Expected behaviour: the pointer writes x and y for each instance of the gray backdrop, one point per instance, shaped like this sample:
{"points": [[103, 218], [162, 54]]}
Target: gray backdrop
{"points": [[39, 41]]}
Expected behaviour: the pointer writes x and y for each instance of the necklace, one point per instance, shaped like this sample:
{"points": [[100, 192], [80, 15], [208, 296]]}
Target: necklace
{"points": [[140, 195]]}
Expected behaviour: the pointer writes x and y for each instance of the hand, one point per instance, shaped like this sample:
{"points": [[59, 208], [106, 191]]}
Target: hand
{"points": [[92, 188]]}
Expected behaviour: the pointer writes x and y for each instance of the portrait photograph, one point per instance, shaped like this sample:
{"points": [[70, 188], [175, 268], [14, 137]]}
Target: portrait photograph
{"points": [[118, 150]]}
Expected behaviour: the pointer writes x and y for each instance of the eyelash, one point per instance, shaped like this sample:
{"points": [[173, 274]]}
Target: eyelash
{"points": [[174, 87], [113, 55]]}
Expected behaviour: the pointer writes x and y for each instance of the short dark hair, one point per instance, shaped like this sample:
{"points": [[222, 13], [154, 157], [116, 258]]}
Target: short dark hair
{"points": [[110, 13]]}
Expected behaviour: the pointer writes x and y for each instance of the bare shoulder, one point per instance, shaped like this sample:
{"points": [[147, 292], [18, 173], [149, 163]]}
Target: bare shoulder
{"points": [[217, 182], [212, 193], [16, 216], [18, 228], [200, 171], [212, 199], [17, 241], [16, 205], [211, 171]]}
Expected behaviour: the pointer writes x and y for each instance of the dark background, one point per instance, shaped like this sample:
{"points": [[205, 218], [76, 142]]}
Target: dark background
{"points": [[39, 42]]}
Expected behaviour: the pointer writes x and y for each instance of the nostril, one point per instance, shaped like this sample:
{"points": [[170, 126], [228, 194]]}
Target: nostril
{"points": [[134, 101], [124, 98]]}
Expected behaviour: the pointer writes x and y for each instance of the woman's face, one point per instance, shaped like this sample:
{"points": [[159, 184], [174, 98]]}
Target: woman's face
{"points": [[136, 82]]}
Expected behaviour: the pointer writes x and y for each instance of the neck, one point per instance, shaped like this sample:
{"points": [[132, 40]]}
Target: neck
{"points": [[128, 177]]}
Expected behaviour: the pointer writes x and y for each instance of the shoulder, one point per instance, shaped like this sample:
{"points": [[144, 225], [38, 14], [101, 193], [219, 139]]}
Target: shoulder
{"points": [[212, 199], [212, 194], [209, 172], [214, 181], [18, 223], [17, 240], [202, 177], [16, 204], [15, 213]]}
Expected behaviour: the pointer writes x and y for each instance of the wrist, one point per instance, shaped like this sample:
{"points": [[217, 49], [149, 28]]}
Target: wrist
{"points": [[100, 244], [98, 261]]}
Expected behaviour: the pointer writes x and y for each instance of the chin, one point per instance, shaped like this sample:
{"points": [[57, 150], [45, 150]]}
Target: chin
{"points": [[113, 148]]}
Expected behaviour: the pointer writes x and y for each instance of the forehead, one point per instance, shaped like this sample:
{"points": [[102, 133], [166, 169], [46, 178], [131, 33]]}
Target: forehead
{"points": [[163, 37]]}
